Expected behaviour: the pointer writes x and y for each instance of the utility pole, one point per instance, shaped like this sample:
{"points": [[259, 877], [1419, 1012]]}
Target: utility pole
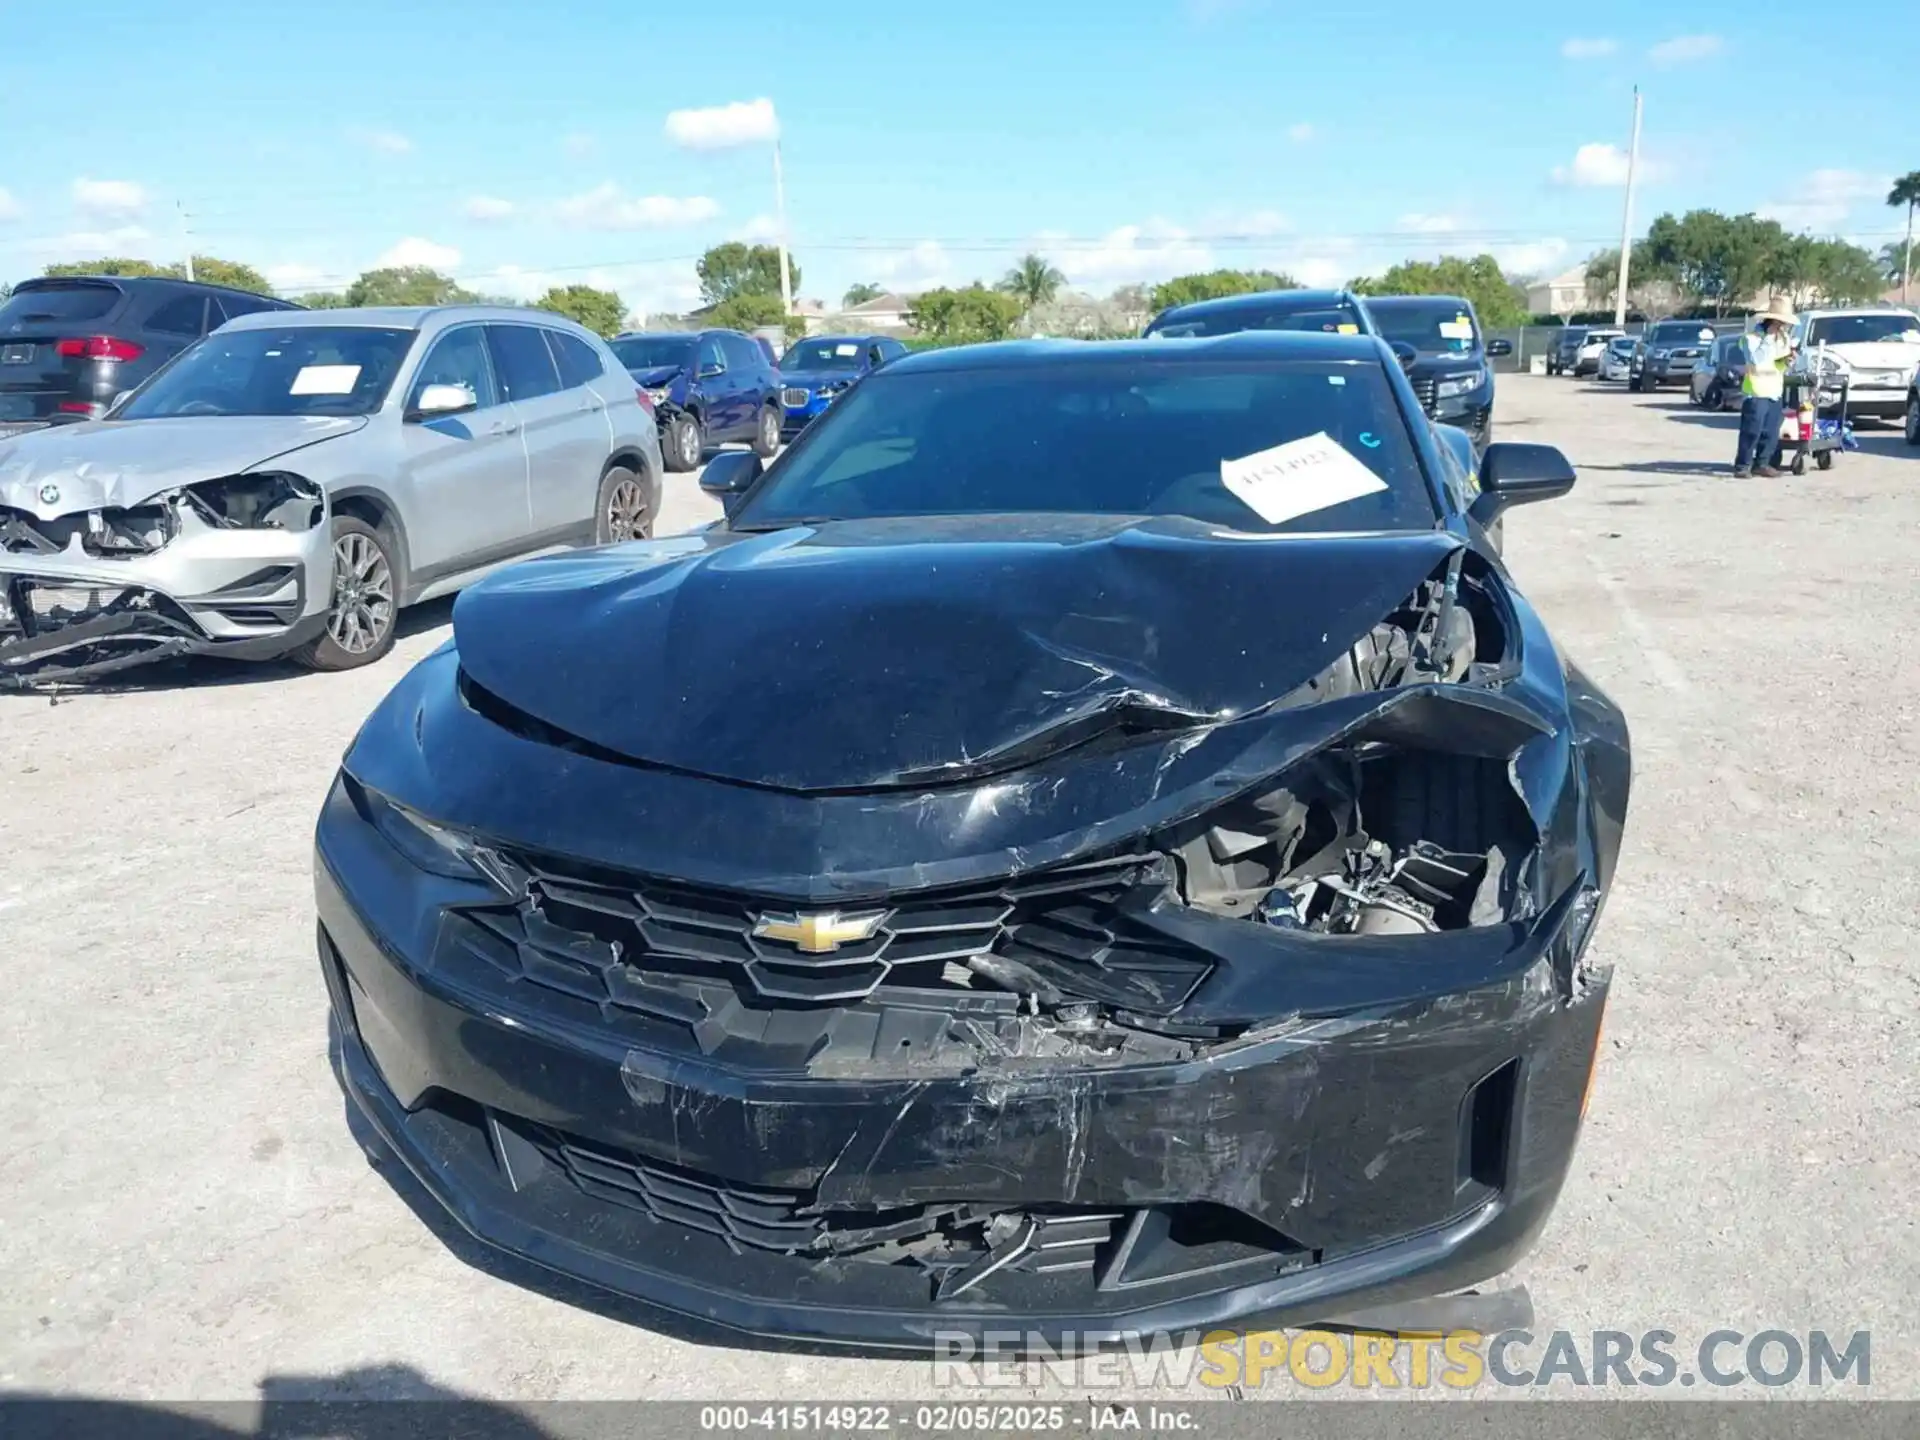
{"points": [[780, 212], [186, 234], [1626, 221]]}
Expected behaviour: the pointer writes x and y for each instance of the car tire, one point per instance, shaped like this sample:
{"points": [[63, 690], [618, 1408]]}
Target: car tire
{"points": [[1913, 419], [361, 619], [622, 512], [684, 444], [1714, 399], [766, 435]]}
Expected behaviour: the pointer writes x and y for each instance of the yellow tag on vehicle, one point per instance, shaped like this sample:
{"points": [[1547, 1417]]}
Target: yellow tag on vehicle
{"points": [[1349, 329]]}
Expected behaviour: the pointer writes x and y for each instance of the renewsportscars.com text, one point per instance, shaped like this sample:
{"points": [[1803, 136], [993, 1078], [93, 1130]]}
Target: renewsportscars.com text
{"points": [[1454, 1360]]}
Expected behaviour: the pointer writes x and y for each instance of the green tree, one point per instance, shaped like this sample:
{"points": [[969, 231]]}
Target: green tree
{"points": [[210, 269], [1717, 260], [119, 265], [860, 294], [1216, 284], [1893, 261], [406, 285], [755, 312], [1842, 274], [1906, 191], [322, 300], [964, 317], [1479, 280], [1033, 281], [601, 311], [736, 269]]}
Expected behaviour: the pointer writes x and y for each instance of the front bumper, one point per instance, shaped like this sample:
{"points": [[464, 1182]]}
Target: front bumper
{"points": [[797, 412], [1877, 404], [243, 594], [1379, 1153]]}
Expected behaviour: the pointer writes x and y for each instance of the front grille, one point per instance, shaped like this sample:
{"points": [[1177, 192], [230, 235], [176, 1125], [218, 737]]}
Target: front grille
{"points": [[637, 945], [786, 1222], [795, 398], [1428, 392], [103, 534]]}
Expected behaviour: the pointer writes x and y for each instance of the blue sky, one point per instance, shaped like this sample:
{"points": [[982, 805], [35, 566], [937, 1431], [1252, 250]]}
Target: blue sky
{"points": [[515, 146]]}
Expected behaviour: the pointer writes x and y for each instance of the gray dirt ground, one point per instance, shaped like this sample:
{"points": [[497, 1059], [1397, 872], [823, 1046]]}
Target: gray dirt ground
{"points": [[183, 1212]]}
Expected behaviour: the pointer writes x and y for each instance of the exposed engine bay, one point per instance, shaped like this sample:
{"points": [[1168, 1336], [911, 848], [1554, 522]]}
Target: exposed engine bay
{"points": [[272, 501]]}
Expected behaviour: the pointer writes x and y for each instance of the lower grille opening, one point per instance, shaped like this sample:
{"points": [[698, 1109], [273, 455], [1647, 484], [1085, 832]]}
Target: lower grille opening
{"points": [[1486, 1128]]}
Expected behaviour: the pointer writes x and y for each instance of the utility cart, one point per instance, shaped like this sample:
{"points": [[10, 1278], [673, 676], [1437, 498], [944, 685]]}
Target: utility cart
{"points": [[1813, 416]]}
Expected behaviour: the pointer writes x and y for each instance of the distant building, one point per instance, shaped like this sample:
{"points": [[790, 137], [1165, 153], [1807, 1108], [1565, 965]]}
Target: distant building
{"points": [[1564, 294], [883, 315]]}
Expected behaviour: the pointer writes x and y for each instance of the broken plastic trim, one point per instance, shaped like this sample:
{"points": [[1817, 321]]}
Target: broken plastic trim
{"points": [[272, 500]]}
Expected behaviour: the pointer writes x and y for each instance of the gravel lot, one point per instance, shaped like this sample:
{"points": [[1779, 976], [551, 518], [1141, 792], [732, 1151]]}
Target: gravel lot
{"points": [[183, 1212]]}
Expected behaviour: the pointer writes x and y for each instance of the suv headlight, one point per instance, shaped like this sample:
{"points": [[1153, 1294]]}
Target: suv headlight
{"points": [[1458, 385], [267, 500], [659, 394]]}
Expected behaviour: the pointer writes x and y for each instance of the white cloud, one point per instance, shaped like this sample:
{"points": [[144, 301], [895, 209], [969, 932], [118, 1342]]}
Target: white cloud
{"points": [[294, 276], [760, 229], [922, 267], [1320, 271], [1419, 224], [606, 207], [1133, 254], [1579, 49], [415, 251], [9, 207], [108, 198], [1604, 166], [1825, 198], [1263, 222], [1533, 257], [579, 144], [1684, 48], [87, 244], [1302, 132], [721, 127], [487, 208], [384, 142]]}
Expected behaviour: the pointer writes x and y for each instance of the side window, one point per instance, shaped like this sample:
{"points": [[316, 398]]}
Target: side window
{"points": [[876, 356], [182, 315], [458, 357], [711, 355], [232, 305], [577, 360], [523, 362], [892, 349], [742, 353]]}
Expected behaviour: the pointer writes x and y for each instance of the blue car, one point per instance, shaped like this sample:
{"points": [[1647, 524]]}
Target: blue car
{"points": [[818, 370], [707, 387]]}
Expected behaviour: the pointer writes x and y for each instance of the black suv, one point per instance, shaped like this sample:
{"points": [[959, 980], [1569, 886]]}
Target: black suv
{"points": [[69, 344], [707, 387], [1445, 355], [1328, 311]]}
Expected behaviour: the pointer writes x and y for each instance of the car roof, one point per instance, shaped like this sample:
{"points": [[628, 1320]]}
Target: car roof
{"points": [[1826, 310], [147, 282], [1260, 300], [1051, 354], [400, 317], [1394, 302]]}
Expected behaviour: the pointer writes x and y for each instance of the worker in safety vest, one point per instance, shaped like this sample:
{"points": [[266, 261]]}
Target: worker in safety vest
{"points": [[1769, 352]]}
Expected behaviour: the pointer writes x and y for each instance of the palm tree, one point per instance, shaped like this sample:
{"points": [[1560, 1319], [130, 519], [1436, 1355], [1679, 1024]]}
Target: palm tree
{"points": [[1892, 263], [1906, 191], [860, 294], [1033, 282]]}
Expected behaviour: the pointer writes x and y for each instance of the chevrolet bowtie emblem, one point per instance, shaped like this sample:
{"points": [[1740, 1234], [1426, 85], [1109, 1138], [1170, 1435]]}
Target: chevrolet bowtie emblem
{"points": [[821, 933]]}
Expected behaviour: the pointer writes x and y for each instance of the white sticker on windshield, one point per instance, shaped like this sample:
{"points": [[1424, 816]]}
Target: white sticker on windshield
{"points": [[324, 380], [846, 349], [1456, 329], [1298, 478]]}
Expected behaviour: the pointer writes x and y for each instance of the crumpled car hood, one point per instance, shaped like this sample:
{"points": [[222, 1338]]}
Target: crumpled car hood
{"points": [[1878, 355], [868, 654], [656, 375], [104, 464]]}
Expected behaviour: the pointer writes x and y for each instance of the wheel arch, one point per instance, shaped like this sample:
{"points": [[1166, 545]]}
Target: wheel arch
{"points": [[378, 510]]}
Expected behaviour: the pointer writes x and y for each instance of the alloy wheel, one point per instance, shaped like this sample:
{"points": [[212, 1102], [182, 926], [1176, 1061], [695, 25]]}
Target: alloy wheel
{"points": [[769, 430], [362, 610], [626, 513], [690, 443]]}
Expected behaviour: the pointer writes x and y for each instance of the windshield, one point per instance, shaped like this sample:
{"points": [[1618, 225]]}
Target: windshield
{"points": [[1623, 346], [76, 300], [1862, 329], [1437, 327], [1147, 438], [652, 352], [1690, 333], [298, 370], [824, 355], [1328, 320]]}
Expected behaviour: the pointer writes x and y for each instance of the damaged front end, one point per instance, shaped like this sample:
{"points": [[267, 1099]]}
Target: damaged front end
{"points": [[1265, 1015], [237, 565]]}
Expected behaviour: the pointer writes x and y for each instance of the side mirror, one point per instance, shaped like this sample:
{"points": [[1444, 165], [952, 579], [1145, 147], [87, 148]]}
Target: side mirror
{"points": [[1404, 353], [438, 401], [1517, 474], [729, 475], [1497, 348], [707, 372]]}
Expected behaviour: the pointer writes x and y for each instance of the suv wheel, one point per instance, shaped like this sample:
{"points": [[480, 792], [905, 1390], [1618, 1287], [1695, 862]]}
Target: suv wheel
{"points": [[684, 443], [621, 514], [1913, 418], [360, 621], [766, 439]]}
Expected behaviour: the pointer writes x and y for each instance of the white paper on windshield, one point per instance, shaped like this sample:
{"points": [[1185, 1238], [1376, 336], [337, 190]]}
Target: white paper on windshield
{"points": [[846, 349], [324, 380], [1298, 478], [1456, 329]]}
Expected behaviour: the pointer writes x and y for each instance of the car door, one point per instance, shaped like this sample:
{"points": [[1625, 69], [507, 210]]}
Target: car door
{"points": [[466, 473], [720, 406], [565, 426], [563, 494], [752, 378]]}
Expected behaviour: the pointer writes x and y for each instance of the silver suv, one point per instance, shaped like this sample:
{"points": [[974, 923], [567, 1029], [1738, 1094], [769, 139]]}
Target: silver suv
{"points": [[289, 483]]}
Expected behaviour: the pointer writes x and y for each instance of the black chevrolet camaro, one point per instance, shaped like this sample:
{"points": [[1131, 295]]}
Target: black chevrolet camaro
{"points": [[1095, 841]]}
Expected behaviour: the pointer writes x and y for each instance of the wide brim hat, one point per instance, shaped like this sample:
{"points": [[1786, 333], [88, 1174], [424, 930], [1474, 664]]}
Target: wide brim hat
{"points": [[1776, 311]]}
